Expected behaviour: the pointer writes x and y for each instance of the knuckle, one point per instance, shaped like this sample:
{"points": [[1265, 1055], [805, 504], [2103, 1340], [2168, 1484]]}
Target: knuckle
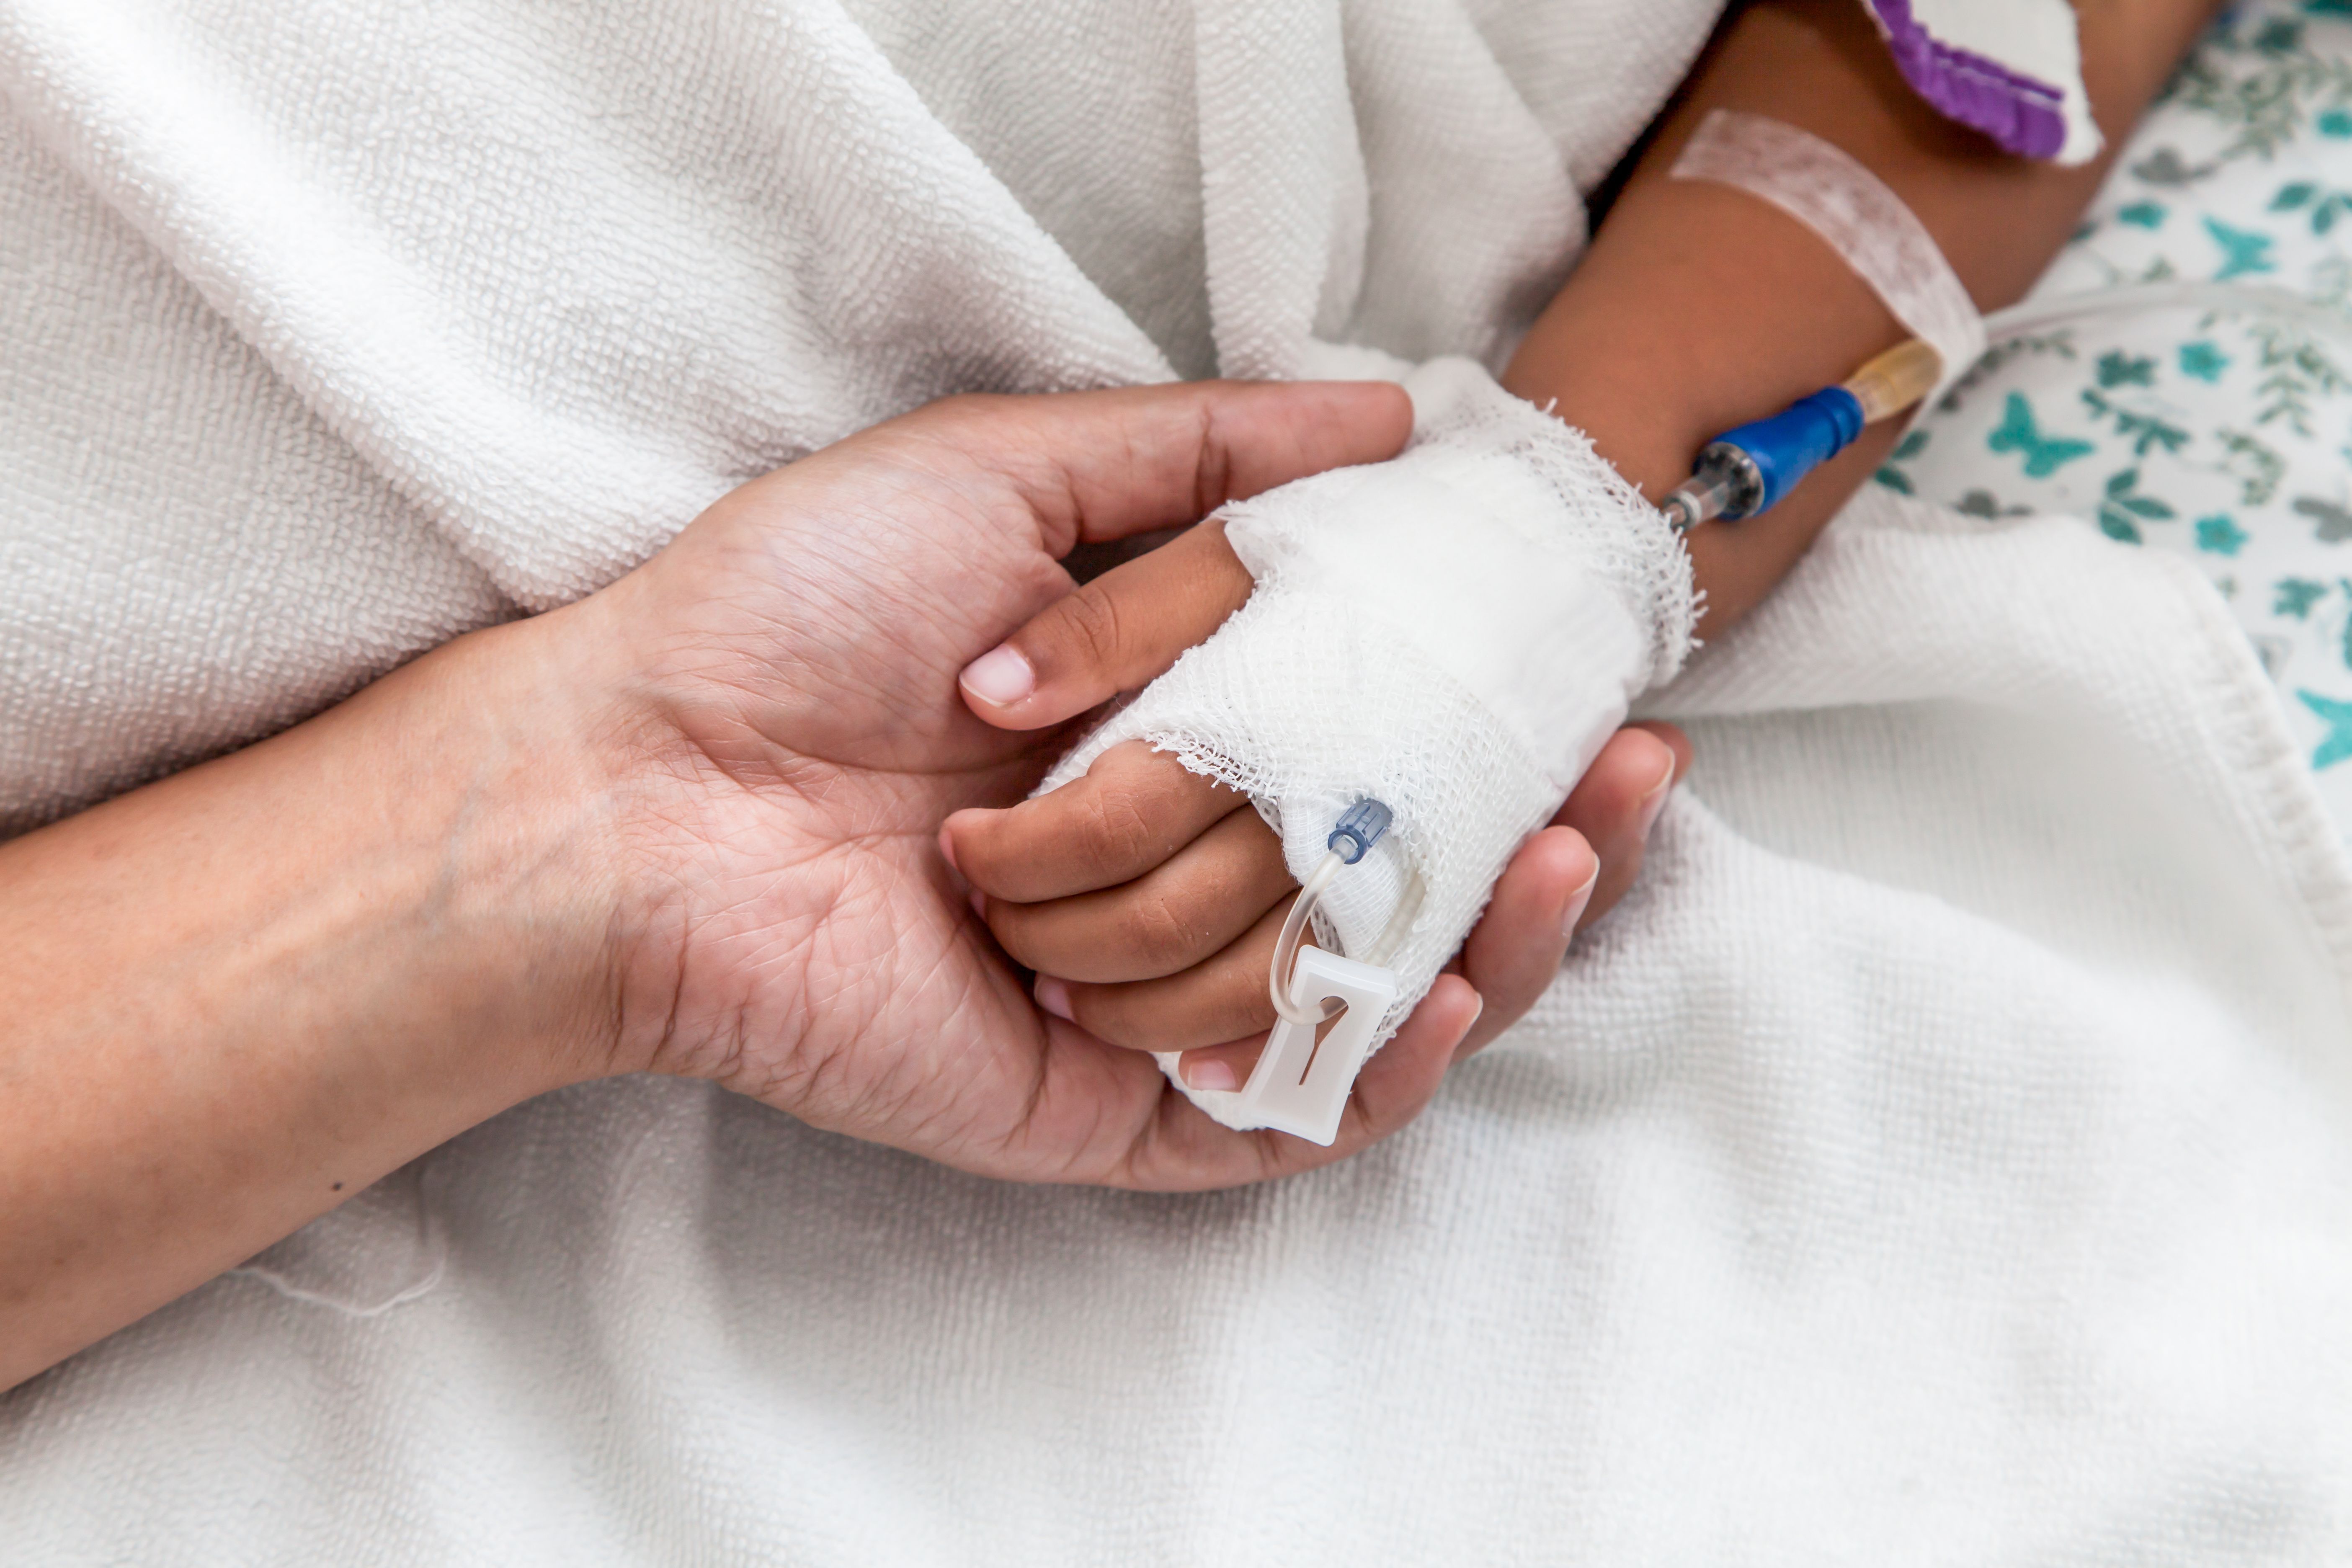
{"points": [[1090, 620], [1158, 933], [1212, 480], [1246, 1008], [1116, 833]]}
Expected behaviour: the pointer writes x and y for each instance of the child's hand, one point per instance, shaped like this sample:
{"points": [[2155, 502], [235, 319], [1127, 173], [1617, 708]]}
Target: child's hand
{"points": [[1148, 898]]}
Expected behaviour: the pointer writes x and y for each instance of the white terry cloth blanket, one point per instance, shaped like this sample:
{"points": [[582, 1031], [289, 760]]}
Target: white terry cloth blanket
{"points": [[1942, 1156], [501, 296], [1945, 1152]]}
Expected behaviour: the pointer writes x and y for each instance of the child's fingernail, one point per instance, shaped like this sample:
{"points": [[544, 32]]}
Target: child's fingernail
{"points": [[947, 850], [1214, 1073], [999, 677], [1053, 996], [1576, 901]]}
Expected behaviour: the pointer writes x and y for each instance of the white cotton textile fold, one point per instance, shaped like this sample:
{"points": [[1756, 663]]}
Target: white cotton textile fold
{"points": [[488, 302], [858, 265], [1454, 632]]}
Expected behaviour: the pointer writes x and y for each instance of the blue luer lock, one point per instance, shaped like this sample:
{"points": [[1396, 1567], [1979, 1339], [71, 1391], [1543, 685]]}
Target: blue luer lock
{"points": [[1793, 442], [1359, 828]]}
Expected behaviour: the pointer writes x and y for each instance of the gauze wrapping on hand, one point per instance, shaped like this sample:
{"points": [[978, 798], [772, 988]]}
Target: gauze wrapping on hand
{"points": [[1455, 632]]}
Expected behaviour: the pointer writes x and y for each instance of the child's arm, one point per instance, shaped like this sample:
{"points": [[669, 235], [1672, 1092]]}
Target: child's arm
{"points": [[1699, 307], [1148, 897]]}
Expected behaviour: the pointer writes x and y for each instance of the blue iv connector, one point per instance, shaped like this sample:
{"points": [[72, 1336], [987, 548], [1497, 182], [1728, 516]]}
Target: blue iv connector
{"points": [[1742, 472], [1359, 828]]}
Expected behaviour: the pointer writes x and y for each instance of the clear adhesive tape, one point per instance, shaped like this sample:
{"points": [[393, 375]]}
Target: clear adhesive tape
{"points": [[1855, 213]]}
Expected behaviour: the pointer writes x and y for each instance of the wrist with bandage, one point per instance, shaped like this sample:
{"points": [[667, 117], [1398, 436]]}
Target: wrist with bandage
{"points": [[1454, 633]]}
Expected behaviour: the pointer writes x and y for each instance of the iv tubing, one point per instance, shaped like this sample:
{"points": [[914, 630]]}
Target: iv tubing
{"points": [[1285, 949], [2035, 315]]}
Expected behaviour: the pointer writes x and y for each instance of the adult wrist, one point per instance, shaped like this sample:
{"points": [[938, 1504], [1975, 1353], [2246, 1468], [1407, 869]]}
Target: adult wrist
{"points": [[657, 749], [524, 816], [244, 992]]}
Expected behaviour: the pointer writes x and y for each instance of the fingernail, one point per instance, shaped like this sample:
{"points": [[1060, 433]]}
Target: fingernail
{"points": [[1212, 1073], [947, 850], [999, 677], [1463, 1049], [979, 903], [1576, 901], [1655, 801], [1053, 996]]}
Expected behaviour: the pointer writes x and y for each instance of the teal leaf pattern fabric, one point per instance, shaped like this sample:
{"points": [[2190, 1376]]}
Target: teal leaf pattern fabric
{"points": [[2225, 434]]}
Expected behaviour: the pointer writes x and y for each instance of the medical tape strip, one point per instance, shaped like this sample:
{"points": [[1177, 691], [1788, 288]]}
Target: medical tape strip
{"points": [[1855, 213]]}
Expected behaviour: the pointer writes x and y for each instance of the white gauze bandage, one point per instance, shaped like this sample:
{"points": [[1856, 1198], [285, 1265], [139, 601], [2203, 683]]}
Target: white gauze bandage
{"points": [[1871, 228], [1455, 632]]}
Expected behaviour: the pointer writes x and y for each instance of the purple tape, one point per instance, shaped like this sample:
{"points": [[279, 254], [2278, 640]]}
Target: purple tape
{"points": [[2016, 110]]}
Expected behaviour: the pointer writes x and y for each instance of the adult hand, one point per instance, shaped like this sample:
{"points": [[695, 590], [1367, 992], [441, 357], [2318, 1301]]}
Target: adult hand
{"points": [[687, 825], [794, 659]]}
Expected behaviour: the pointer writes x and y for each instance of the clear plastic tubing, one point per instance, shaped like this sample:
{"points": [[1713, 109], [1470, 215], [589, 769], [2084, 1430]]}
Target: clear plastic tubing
{"points": [[1744, 471], [1285, 948], [1359, 828]]}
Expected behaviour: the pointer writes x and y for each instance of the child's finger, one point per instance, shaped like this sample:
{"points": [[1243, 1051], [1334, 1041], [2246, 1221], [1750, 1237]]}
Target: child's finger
{"points": [[1220, 999], [1114, 634], [1133, 809], [1165, 920], [1562, 879]]}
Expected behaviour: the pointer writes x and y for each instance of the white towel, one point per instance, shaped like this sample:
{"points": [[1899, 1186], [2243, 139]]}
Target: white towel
{"points": [[1945, 1144], [1944, 1151]]}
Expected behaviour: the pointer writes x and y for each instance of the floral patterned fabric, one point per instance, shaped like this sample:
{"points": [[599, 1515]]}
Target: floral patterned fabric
{"points": [[2220, 428]]}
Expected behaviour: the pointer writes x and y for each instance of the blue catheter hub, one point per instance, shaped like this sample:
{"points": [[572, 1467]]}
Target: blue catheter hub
{"points": [[1791, 444], [1742, 472]]}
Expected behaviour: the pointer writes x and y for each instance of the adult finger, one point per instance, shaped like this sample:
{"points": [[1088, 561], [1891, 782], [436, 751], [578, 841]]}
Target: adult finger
{"points": [[1115, 633], [1514, 953], [1570, 874], [1103, 464], [1617, 802]]}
